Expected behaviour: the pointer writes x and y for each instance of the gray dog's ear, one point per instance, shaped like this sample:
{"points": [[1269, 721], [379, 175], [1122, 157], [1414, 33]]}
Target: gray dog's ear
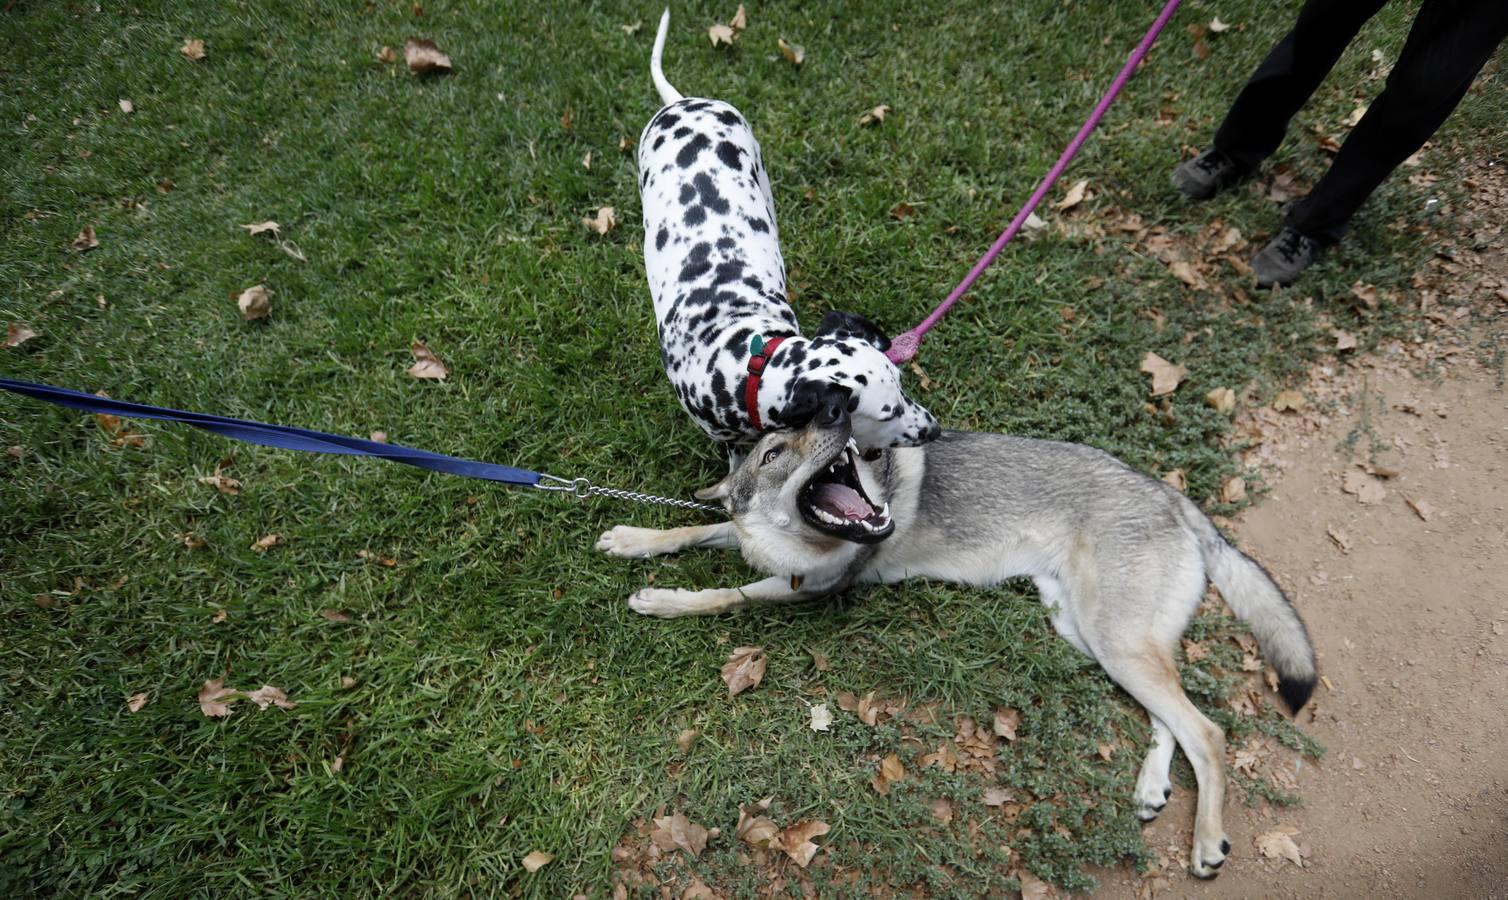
{"points": [[719, 491]]}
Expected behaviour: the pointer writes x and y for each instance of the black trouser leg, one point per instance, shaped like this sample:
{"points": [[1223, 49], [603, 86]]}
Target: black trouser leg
{"points": [[1447, 46], [1284, 80]]}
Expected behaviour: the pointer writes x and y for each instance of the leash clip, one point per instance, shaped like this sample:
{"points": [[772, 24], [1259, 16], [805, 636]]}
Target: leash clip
{"points": [[578, 487]]}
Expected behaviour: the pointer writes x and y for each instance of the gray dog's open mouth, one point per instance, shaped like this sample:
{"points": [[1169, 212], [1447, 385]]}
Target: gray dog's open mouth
{"points": [[834, 502]]}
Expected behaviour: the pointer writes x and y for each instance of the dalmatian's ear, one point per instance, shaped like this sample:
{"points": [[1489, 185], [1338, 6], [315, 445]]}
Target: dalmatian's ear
{"points": [[847, 324]]}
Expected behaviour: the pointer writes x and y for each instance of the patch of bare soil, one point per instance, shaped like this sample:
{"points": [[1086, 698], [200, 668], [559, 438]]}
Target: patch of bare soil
{"points": [[1387, 524]]}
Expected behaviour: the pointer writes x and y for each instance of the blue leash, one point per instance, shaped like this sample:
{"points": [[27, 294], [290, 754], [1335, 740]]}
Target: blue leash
{"points": [[289, 438]]}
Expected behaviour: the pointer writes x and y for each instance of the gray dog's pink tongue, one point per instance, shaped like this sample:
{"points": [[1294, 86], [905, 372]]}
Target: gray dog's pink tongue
{"points": [[842, 500]]}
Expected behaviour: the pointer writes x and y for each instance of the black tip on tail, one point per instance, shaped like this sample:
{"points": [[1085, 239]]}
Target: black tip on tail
{"points": [[1296, 692]]}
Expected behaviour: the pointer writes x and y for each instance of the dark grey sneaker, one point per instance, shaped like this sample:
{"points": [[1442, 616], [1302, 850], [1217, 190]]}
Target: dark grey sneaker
{"points": [[1208, 174], [1281, 261]]}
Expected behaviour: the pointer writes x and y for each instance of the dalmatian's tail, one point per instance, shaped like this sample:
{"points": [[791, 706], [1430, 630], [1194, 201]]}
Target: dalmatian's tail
{"points": [[668, 94]]}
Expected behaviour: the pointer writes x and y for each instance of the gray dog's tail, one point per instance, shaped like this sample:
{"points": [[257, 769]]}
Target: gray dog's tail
{"points": [[668, 94], [1258, 601]]}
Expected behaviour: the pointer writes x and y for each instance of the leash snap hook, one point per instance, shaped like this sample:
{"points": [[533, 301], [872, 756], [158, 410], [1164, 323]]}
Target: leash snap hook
{"points": [[580, 488]]}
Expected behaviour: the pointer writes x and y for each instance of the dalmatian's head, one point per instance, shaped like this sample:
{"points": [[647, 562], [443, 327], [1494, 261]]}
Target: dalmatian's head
{"points": [[847, 354]]}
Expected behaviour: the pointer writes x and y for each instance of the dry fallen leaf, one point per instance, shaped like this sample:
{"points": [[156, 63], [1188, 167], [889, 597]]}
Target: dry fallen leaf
{"points": [[744, 669], [17, 334], [1193, 651], [685, 739], [865, 708], [266, 542], [901, 211], [347, 682], [795, 54], [1233, 489], [796, 841], [1339, 538], [1354, 118], [1278, 843], [137, 701], [423, 56], [1075, 195], [891, 768], [586, 161], [193, 49], [874, 116], [255, 302], [605, 220], [1177, 480], [218, 617], [335, 615], [675, 831], [1201, 47], [1221, 399], [1366, 488], [126, 106], [1287, 401], [1006, 722], [1032, 887], [387, 54], [257, 228], [942, 810], [997, 796], [426, 365], [267, 695], [1184, 272], [1165, 375], [819, 659], [222, 483], [1422, 508], [740, 19], [754, 828], [721, 35], [86, 240], [214, 697], [822, 718], [1344, 340], [632, 28], [537, 860], [1366, 293], [1216, 26]]}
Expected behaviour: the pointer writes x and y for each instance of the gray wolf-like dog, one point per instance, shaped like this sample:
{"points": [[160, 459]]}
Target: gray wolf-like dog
{"points": [[712, 255], [1119, 558]]}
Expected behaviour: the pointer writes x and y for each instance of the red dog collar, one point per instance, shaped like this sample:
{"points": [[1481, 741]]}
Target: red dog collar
{"points": [[758, 359]]}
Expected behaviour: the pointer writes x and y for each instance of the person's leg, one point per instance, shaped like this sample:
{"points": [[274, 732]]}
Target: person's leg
{"points": [[1284, 81], [1447, 46]]}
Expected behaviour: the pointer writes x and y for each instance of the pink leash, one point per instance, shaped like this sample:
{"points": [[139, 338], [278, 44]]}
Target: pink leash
{"points": [[904, 346]]}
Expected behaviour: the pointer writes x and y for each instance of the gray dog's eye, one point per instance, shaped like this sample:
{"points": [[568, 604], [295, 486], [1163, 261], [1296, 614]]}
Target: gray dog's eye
{"points": [[769, 455]]}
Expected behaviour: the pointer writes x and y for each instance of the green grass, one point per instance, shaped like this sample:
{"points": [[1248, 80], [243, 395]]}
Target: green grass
{"points": [[506, 698]]}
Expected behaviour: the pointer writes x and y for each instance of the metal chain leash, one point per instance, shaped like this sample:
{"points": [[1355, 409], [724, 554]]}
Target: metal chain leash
{"points": [[581, 489]]}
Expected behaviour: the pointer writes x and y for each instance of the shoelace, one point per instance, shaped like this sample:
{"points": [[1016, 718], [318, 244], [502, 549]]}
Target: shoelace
{"points": [[1212, 162], [1290, 243]]}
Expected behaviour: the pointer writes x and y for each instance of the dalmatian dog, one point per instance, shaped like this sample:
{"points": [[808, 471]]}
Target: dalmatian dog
{"points": [[729, 339]]}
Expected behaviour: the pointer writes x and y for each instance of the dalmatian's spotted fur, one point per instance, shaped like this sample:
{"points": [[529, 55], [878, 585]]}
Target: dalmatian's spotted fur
{"points": [[712, 254]]}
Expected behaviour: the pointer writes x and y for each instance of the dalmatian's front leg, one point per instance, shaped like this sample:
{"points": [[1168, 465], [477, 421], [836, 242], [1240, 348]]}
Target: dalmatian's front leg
{"points": [[641, 543]]}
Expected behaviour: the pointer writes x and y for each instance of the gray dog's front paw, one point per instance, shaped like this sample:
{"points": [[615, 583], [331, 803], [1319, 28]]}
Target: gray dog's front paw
{"points": [[628, 542], [665, 603]]}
